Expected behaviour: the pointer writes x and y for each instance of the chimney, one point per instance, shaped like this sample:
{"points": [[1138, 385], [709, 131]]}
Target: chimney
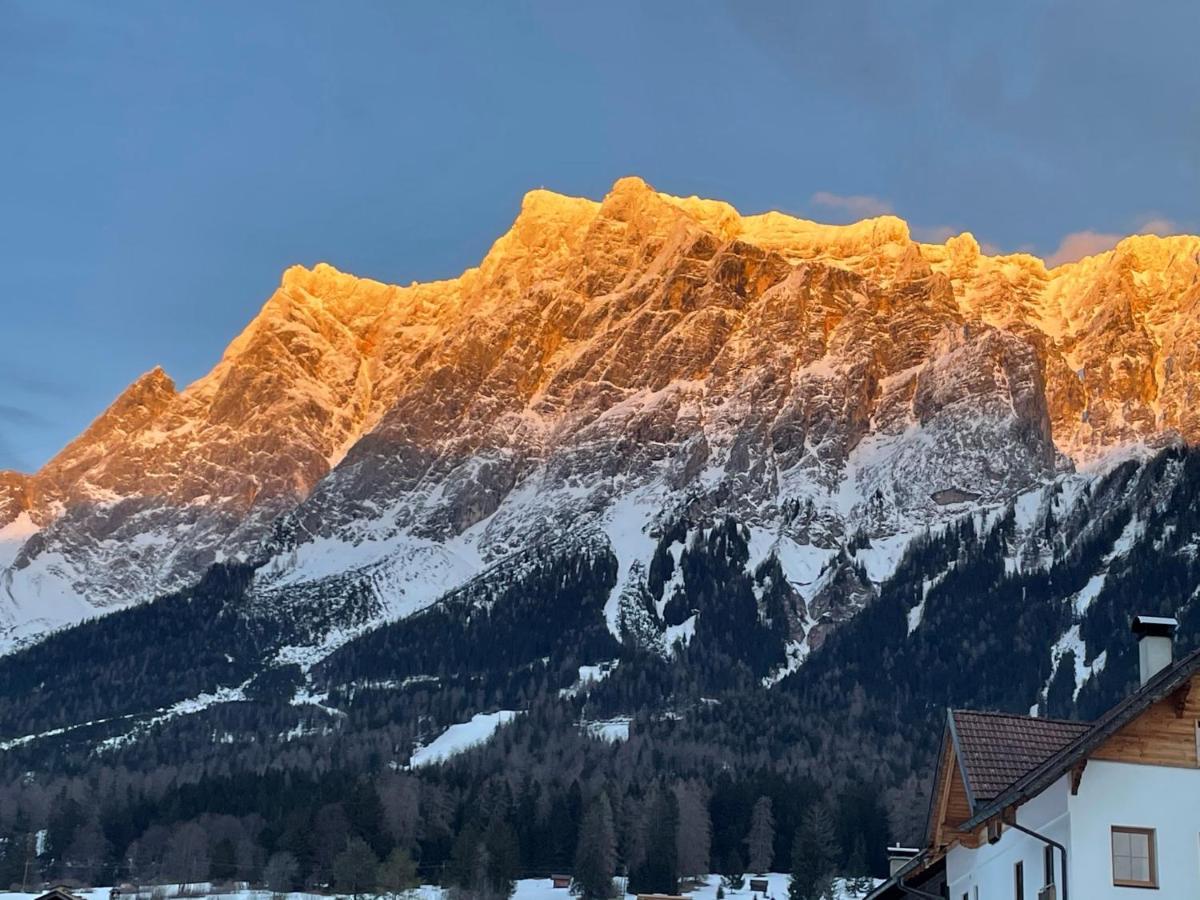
{"points": [[1154, 644], [899, 857]]}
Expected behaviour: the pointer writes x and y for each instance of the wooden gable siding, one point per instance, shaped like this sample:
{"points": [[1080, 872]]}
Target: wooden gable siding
{"points": [[958, 808], [1164, 735], [953, 807]]}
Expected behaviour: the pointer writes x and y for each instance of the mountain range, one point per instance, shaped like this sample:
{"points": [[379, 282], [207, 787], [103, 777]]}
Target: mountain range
{"points": [[607, 369], [742, 492]]}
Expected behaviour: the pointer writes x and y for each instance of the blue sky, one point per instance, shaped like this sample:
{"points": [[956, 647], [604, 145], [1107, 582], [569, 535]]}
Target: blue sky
{"points": [[162, 163]]}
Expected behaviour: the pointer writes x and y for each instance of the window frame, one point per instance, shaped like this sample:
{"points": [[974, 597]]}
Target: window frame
{"points": [[1151, 835], [1048, 863], [1019, 879]]}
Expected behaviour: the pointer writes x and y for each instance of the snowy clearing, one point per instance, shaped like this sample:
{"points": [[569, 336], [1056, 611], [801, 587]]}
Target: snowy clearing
{"points": [[462, 736], [526, 889]]}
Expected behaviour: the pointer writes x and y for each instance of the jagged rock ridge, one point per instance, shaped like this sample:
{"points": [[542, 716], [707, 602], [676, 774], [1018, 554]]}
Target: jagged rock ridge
{"points": [[608, 369]]}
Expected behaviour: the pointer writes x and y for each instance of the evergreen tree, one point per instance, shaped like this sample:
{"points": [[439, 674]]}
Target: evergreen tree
{"points": [[760, 842], [814, 854], [857, 878], [356, 869], [596, 855], [694, 835], [504, 858], [88, 854], [734, 871], [224, 865], [66, 818], [659, 871], [16, 848]]}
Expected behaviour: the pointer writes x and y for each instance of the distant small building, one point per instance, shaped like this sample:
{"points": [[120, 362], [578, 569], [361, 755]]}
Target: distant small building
{"points": [[560, 881]]}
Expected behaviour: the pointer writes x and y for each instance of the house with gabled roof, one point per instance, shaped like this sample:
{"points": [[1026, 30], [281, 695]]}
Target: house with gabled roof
{"points": [[1046, 809]]}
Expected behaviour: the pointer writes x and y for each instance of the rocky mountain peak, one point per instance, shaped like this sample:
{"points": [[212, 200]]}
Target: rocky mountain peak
{"points": [[610, 366]]}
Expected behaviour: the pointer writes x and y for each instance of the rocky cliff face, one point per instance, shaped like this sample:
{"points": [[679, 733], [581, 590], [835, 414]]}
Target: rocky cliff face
{"points": [[610, 368]]}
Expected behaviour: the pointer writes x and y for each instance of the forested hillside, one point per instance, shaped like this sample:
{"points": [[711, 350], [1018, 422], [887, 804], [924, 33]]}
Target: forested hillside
{"points": [[234, 755]]}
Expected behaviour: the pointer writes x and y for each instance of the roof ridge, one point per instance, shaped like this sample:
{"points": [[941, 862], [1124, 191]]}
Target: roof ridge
{"points": [[1116, 717], [999, 714]]}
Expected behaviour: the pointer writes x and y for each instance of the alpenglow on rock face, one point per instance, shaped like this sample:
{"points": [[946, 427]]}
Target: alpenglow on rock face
{"points": [[609, 370]]}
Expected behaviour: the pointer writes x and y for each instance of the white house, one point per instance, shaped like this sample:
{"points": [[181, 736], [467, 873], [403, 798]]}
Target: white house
{"points": [[1026, 808]]}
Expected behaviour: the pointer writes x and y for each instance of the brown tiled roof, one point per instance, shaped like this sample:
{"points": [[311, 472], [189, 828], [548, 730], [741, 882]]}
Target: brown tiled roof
{"points": [[996, 749], [1043, 775]]}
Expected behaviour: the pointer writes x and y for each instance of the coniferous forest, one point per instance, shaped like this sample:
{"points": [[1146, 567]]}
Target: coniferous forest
{"points": [[292, 776]]}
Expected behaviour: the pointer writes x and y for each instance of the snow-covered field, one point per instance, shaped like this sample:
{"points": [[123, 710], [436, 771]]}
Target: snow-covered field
{"points": [[460, 737], [527, 889]]}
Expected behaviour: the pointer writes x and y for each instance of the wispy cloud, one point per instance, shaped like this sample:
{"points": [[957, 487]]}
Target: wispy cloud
{"points": [[1078, 244], [934, 234], [15, 424], [1155, 224], [20, 417], [857, 206]]}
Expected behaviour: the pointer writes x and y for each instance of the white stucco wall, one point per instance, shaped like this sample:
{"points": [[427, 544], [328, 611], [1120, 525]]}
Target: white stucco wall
{"points": [[990, 867], [1158, 797]]}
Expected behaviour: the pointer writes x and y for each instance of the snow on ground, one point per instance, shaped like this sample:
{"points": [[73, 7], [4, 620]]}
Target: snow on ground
{"points": [[1071, 641], [917, 613], [611, 730], [408, 572], [1090, 592], [1026, 508], [883, 557], [526, 889], [590, 675], [625, 524], [681, 632], [53, 732], [1129, 536], [460, 737], [38, 598], [777, 888], [795, 652], [801, 563], [183, 708], [187, 707], [13, 537]]}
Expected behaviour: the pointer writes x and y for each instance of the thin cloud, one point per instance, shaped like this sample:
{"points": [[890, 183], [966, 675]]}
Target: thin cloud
{"points": [[20, 417], [17, 420], [857, 206], [1159, 225], [1078, 244]]}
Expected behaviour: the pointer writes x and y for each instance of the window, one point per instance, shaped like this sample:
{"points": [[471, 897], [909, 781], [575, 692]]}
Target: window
{"points": [[1019, 881], [1048, 865], [1133, 859]]}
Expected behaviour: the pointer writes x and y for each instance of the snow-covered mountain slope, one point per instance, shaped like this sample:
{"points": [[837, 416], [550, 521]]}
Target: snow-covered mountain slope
{"points": [[611, 368]]}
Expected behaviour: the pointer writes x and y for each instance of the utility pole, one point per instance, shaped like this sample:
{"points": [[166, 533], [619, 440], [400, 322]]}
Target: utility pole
{"points": [[28, 858]]}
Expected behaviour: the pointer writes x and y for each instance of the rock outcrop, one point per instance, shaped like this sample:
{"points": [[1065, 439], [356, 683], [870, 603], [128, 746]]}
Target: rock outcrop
{"points": [[607, 367]]}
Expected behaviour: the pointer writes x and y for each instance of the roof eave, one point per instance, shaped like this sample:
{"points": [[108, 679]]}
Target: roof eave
{"points": [[1029, 786]]}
